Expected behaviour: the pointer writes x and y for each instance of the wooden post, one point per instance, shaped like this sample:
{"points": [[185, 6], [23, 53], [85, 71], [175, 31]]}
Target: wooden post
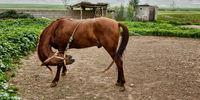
{"points": [[102, 12], [81, 13], [94, 9], [106, 11]]}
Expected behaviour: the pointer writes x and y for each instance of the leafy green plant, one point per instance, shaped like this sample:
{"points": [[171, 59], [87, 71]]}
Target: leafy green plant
{"points": [[134, 3], [161, 29], [120, 13], [17, 38]]}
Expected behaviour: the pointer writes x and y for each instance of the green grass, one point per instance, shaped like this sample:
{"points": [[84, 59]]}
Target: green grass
{"points": [[161, 29], [31, 6], [179, 9], [178, 12], [180, 17]]}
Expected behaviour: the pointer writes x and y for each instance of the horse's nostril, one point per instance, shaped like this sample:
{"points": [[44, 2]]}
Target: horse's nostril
{"points": [[72, 60]]}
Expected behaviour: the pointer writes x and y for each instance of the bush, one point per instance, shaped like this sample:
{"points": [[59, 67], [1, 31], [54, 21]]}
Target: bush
{"points": [[13, 14], [124, 13], [120, 13], [129, 14]]}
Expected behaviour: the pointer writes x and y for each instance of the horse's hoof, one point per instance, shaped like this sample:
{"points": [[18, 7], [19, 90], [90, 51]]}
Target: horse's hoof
{"points": [[63, 74], [122, 89], [117, 84], [53, 84]]}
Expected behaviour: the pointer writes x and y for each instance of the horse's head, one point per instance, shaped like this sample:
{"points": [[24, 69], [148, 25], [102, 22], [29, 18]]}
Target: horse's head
{"points": [[69, 59], [59, 60]]}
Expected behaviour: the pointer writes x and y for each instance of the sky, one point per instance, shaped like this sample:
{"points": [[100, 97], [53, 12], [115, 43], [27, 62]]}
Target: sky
{"points": [[160, 3]]}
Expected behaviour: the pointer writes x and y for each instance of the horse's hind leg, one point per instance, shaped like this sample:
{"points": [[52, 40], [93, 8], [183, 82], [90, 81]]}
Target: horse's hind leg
{"points": [[112, 51], [64, 70], [121, 79], [56, 79]]}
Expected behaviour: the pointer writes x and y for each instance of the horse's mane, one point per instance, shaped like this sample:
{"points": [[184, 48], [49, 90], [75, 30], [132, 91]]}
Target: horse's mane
{"points": [[41, 37]]}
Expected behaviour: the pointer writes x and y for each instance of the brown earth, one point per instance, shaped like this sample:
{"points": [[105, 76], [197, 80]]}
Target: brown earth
{"points": [[156, 68]]}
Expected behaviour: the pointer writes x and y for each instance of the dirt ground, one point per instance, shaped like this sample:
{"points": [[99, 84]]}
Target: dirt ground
{"points": [[156, 68]]}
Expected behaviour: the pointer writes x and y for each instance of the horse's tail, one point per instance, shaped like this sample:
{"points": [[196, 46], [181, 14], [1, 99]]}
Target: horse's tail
{"points": [[125, 38], [122, 46]]}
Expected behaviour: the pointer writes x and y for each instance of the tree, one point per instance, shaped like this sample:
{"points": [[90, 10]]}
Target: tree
{"points": [[134, 3], [66, 3], [173, 4], [119, 13], [129, 14]]}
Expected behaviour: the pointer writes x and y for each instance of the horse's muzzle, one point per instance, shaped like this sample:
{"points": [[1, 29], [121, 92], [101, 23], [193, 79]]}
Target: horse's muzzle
{"points": [[71, 60]]}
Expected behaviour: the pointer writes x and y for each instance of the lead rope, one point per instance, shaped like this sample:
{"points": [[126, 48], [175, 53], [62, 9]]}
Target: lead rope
{"points": [[70, 40]]}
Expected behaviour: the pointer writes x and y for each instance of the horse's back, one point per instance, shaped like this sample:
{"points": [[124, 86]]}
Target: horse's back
{"points": [[90, 32]]}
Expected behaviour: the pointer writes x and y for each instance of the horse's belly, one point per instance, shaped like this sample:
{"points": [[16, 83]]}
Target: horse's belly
{"points": [[84, 43]]}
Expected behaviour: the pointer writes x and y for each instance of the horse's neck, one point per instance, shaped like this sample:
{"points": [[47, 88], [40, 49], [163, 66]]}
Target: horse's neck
{"points": [[44, 48]]}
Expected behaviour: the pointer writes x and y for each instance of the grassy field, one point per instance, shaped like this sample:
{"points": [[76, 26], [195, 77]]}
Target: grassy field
{"points": [[31, 6], [178, 12], [161, 29], [179, 9], [180, 17]]}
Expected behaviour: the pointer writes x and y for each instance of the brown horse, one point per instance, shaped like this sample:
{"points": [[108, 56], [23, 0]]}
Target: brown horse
{"points": [[91, 32]]}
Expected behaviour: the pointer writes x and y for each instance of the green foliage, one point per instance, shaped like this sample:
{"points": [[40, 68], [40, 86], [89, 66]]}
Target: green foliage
{"points": [[13, 74], [7, 92], [120, 13], [179, 9], [17, 39], [129, 14], [134, 3], [109, 15], [161, 29], [14, 14], [181, 18]]}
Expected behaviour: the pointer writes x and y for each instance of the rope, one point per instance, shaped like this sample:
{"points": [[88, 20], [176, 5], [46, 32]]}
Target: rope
{"points": [[55, 55], [65, 52], [70, 40]]}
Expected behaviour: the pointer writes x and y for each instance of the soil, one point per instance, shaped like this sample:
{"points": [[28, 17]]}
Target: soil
{"points": [[156, 68]]}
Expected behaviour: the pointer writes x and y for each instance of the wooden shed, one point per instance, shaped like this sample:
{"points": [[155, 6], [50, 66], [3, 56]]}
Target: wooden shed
{"points": [[146, 13], [89, 10]]}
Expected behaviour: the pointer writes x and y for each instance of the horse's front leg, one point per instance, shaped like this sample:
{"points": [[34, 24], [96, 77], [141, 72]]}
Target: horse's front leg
{"points": [[64, 70], [56, 79]]}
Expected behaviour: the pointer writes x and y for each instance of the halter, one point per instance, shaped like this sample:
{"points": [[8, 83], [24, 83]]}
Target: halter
{"points": [[65, 52]]}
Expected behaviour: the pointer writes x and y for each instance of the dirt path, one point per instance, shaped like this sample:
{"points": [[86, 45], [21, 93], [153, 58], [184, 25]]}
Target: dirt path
{"points": [[156, 68]]}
